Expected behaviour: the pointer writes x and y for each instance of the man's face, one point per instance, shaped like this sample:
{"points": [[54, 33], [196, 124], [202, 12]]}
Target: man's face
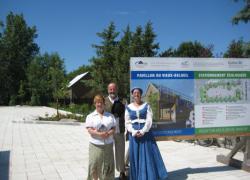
{"points": [[112, 91]]}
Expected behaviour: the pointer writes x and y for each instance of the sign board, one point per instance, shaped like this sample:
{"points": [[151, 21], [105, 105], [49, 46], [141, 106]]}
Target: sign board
{"points": [[195, 96]]}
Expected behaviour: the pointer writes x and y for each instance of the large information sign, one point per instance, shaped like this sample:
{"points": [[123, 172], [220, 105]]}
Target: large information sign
{"points": [[195, 96]]}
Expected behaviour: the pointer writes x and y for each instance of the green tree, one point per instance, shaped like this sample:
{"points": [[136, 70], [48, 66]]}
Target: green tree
{"points": [[170, 52], [141, 43], [137, 43], [149, 46], [238, 49], [46, 77], [243, 14], [235, 49], [17, 50], [37, 74], [103, 64], [194, 49], [21, 93], [246, 49], [111, 63], [1, 28], [56, 75], [122, 63], [79, 70], [189, 49], [4, 77]]}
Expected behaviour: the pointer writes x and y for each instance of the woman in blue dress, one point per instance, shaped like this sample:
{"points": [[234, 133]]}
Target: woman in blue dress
{"points": [[145, 159]]}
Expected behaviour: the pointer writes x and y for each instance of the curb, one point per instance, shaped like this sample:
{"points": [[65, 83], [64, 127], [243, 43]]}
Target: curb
{"points": [[50, 122]]}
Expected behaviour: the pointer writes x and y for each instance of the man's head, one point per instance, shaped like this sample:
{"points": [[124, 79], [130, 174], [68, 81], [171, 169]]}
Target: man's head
{"points": [[112, 90]]}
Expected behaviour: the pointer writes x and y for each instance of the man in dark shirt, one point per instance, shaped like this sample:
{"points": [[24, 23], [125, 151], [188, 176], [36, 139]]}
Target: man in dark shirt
{"points": [[114, 105]]}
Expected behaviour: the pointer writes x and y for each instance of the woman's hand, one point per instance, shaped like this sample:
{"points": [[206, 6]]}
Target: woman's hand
{"points": [[95, 132], [138, 134], [104, 135], [108, 133]]}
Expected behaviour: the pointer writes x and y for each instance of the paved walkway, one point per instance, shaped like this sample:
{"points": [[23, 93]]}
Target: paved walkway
{"points": [[55, 151]]}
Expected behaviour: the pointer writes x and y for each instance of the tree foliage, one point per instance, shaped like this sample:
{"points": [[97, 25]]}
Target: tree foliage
{"points": [[112, 61], [17, 48], [150, 48], [122, 63], [189, 49], [46, 78], [243, 15], [103, 64], [136, 42], [21, 93], [29, 77], [79, 70], [238, 49]]}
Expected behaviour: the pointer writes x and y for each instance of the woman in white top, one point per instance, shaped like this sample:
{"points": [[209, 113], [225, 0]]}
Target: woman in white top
{"points": [[101, 127], [145, 159]]}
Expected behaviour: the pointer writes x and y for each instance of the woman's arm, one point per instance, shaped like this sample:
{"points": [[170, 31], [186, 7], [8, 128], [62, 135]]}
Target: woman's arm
{"points": [[128, 124], [148, 122], [111, 131], [103, 135], [93, 131]]}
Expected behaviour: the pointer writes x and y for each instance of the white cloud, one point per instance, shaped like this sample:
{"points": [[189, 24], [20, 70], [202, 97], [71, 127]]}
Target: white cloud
{"points": [[122, 13], [126, 13]]}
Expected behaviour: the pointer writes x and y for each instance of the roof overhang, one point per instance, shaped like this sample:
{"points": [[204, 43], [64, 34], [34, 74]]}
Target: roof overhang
{"points": [[76, 79]]}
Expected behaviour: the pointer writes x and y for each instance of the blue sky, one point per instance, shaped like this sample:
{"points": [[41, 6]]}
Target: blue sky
{"points": [[70, 27]]}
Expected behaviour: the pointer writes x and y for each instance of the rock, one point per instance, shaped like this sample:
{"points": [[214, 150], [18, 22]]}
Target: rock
{"points": [[68, 120]]}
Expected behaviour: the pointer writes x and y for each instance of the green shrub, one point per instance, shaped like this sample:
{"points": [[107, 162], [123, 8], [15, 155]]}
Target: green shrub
{"points": [[13, 100], [82, 109]]}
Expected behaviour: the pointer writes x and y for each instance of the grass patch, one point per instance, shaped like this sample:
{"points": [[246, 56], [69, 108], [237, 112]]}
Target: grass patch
{"points": [[76, 117], [79, 112]]}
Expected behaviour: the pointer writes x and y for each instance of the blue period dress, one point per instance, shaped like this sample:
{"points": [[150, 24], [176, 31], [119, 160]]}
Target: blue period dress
{"points": [[145, 159]]}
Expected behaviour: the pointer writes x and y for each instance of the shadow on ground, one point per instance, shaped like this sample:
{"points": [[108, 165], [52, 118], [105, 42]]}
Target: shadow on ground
{"points": [[4, 165], [182, 174]]}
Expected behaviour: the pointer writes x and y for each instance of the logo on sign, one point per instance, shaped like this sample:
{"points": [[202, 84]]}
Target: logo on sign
{"points": [[140, 63], [185, 63], [235, 62]]}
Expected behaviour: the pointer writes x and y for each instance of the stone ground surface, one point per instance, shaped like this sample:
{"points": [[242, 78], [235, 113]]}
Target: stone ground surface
{"points": [[60, 151]]}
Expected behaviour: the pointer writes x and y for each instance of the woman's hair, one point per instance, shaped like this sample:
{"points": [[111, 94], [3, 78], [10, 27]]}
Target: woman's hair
{"points": [[137, 88], [99, 98]]}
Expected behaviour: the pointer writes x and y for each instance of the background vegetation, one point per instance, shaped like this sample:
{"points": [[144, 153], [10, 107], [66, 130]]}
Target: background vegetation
{"points": [[29, 77]]}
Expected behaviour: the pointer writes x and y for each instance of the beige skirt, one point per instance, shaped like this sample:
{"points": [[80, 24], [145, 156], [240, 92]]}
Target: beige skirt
{"points": [[101, 162]]}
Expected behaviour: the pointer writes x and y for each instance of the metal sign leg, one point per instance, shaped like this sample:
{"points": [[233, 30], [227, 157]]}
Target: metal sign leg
{"points": [[228, 160], [246, 161]]}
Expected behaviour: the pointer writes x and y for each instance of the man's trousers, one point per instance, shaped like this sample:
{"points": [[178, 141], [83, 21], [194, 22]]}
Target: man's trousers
{"points": [[119, 151]]}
